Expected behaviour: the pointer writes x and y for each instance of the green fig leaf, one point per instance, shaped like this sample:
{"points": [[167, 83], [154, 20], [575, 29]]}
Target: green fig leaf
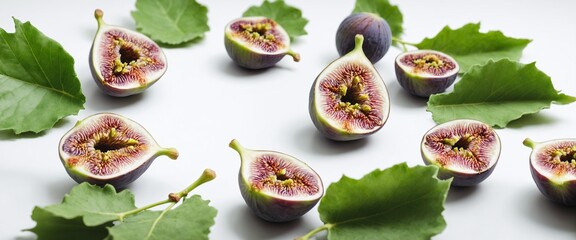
{"points": [[95, 205], [397, 203], [383, 8], [192, 219], [49, 226], [39, 84], [497, 93], [171, 21], [470, 47], [289, 17]]}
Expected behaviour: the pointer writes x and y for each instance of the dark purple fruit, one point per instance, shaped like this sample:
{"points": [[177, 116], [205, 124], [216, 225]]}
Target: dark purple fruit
{"points": [[124, 62], [425, 72], [376, 32], [276, 186], [257, 42], [106, 148], [464, 149], [348, 99], [553, 168]]}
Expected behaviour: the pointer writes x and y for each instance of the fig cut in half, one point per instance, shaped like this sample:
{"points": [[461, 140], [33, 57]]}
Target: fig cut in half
{"points": [[425, 72], [464, 149], [349, 99], [276, 186], [553, 168], [257, 42], [106, 148], [124, 62]]}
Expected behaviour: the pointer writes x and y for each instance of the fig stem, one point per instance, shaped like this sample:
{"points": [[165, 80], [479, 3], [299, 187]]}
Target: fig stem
{"points": [[98, 14], [313, 232], [528, 143], [358, 41], [172, 153], [173, 198], [295, 56]]}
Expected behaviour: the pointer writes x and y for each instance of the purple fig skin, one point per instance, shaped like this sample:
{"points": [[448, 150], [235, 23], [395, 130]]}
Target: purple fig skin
{"points": [[273, 209], [462, 179], [562, 192], [424, 86], [120, 182], [376, 32]]}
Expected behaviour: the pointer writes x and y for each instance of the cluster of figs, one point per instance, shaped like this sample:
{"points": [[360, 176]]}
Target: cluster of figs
{"points": [[348, 101]]}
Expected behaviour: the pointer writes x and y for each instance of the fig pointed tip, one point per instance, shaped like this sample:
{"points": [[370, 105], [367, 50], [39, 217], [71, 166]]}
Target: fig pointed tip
{"points": [[234, 144], [295, 56], [172, 153], [98, 14], [358, 41], [528, 143]]}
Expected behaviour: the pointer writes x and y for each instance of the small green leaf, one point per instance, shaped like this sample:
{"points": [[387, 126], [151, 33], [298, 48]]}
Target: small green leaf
{"points": [[171, 21], [96, 205], [383, 8], [397, 203], [50, 226], [470, 47], [38, 83], [191, 220], [497, 93], [289, 17]]}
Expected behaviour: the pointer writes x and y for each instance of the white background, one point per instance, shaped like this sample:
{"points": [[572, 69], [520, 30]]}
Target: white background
{"points": [[204, 101]]}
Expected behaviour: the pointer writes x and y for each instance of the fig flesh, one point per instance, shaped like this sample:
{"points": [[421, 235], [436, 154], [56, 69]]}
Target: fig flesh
{"points": [[376, 32], [425, 72], [464, 149], [107, 148], [257, 42], [553, 168], [276, 186], [349, 99], [124, 62]]}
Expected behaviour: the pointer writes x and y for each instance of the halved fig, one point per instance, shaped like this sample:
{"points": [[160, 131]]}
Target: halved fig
{"points": [[124, 62], [276, 186], [464, 149], [425, 72], [107, 148], [376, 32], [349, 99], [257, 42], [553, 168]]}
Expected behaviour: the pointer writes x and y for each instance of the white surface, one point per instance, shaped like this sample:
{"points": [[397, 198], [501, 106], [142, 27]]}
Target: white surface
{"points": [[204, 101]]}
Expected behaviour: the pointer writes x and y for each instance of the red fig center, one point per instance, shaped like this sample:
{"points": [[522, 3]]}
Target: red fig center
{"points": [[431, 63], [353, 97]]}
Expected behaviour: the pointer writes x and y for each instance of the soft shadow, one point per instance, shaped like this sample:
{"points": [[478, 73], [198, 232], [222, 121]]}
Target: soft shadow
{"points": [[309, 139], [10, 135], [56, 190], [181, 45], [531, 119], [246, 225], [102, 102], [400, 97], [232, 69], [458, 193], [553, 215]]}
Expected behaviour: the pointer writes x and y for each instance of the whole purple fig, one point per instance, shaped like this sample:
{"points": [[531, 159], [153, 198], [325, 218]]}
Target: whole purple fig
{"points": [[376, 32]]}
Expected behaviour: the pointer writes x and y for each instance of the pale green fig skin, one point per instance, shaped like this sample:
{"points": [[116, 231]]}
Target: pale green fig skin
{"points": [[247, 57], [335, 131], [560, 191], [128, 174], [273, 208], [459, 177]]}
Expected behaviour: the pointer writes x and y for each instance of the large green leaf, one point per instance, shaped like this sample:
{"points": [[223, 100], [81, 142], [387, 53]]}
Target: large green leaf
{"points": [[171, 21], [470, 47], [96, 205], [384, 9], [289, 17], [497, 93], [50, 226], [396, 203], [38, 84], [191, 220]]}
